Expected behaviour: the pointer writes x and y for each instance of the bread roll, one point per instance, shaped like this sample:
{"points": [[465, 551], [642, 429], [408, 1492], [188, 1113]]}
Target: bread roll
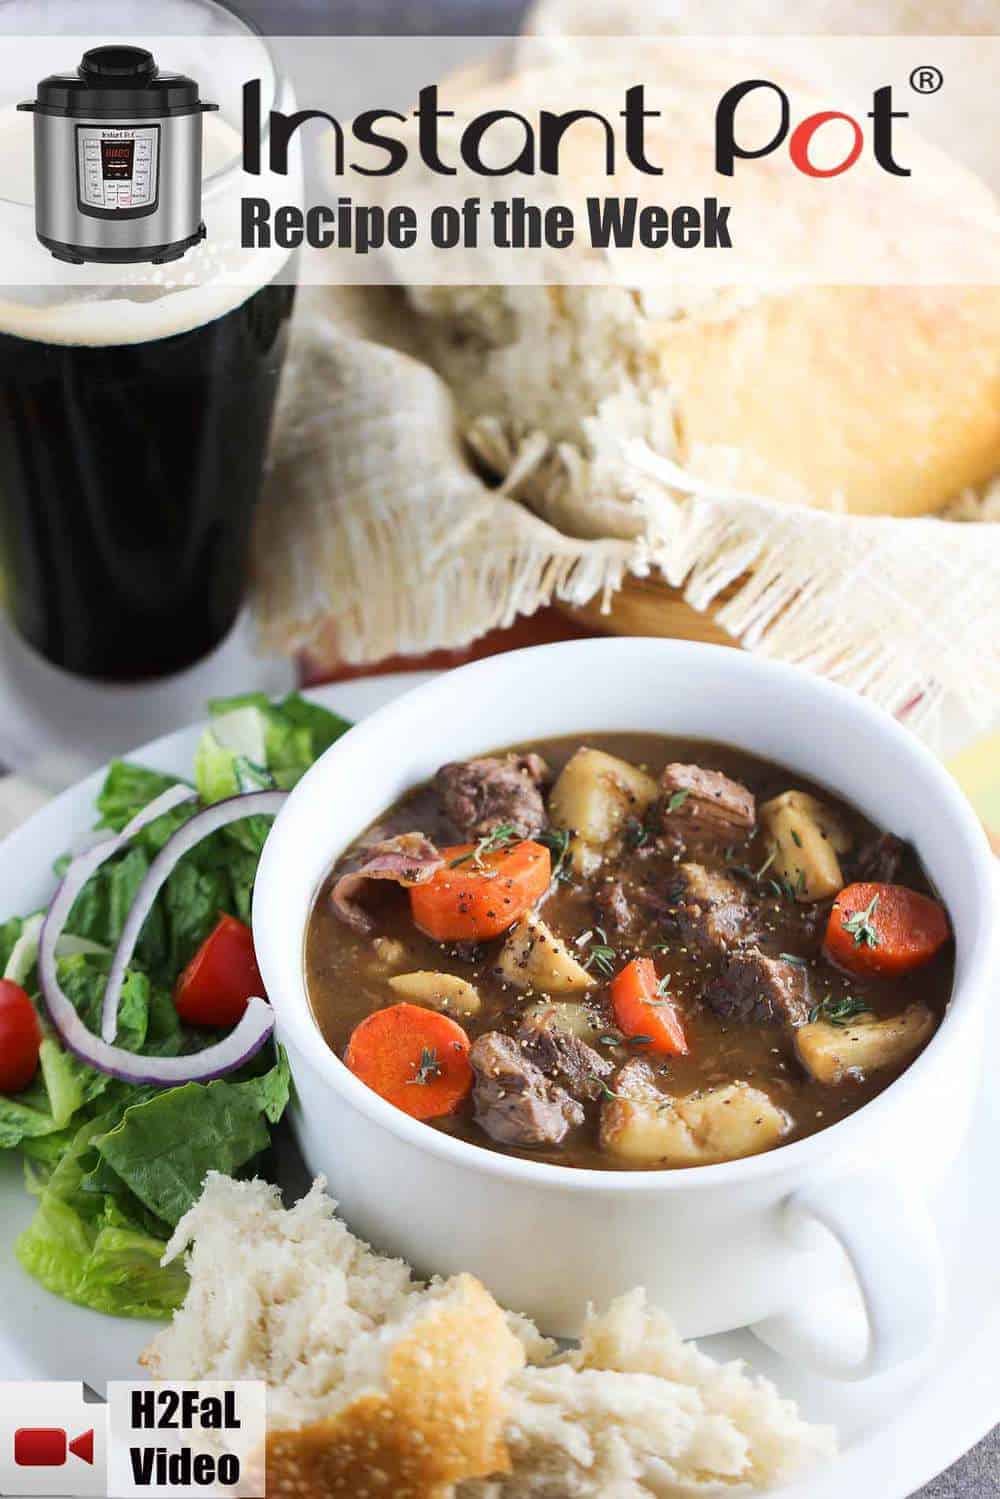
{"points": [[867, 399], [876, 400]]}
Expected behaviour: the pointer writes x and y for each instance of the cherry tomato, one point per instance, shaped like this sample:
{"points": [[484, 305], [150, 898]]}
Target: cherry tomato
{"points": [[221, 977], [20, 1038]]}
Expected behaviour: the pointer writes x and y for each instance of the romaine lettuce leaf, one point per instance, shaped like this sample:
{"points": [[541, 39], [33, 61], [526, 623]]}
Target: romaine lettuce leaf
{"points": [[23, 954], [82, 979], [66, 1081], [63, 1085], [163, 1148], [252, 742], [193, 898], [9, 932], [109, 1267], [90, 1248], [23, 1121], [100, 909], [127, 789], [322, 726], [232, 754]]}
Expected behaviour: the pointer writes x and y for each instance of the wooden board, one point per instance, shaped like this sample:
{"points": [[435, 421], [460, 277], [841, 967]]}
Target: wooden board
{"points": [[648, 606]]}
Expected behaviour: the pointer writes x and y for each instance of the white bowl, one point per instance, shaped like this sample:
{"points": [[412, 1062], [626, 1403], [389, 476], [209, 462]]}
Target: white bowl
{"points": [[720, 1246]]}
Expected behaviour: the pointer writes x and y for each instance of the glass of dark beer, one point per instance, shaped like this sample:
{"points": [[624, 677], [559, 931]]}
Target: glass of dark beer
{"points": [[134, 423]]}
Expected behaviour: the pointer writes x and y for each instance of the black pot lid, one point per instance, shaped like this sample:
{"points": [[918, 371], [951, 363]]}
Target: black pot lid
{"points": [[117, 80]]}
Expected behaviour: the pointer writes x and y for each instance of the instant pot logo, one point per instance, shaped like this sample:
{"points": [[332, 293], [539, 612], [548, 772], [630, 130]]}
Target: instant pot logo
{"points": [[536, 146], [118, 159], [503, 143], [801, 138]]}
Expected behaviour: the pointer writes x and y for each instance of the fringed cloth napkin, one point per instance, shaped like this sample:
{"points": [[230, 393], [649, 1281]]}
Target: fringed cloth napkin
{"points": [[380, 535]]}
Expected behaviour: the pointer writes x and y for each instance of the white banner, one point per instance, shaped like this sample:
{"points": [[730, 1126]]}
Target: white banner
{"points": [[654, 163]]}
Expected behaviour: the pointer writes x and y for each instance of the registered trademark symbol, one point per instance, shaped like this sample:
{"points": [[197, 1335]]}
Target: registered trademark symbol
{"points": [[927, 79]]}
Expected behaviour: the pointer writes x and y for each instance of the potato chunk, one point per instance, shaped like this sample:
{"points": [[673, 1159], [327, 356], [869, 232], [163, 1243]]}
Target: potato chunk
{"points": [[643, 1125], [533, 957], [593, 797], [570, 1015], [829, 1052], [389, 953], [735, 1121], [438, 991], [805, 837], [829, 821]]}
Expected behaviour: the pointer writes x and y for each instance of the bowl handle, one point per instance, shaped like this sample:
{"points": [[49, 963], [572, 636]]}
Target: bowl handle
{"points": [[893, 1249]]}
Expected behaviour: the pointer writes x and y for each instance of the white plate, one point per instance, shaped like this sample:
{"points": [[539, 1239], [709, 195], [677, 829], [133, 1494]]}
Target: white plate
{"points": [[896, 1434], [55, 726]]}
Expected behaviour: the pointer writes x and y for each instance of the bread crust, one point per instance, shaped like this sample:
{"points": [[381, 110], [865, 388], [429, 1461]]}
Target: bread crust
{"points": [[438, 1419], [874, 400]]}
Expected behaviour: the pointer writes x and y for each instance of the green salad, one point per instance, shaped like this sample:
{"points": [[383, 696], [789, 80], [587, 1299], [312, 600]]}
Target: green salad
{"points": [[115, 1163]]}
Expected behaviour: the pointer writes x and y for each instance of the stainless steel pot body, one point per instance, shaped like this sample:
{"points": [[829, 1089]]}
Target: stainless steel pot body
{"points": [[149, 202]]}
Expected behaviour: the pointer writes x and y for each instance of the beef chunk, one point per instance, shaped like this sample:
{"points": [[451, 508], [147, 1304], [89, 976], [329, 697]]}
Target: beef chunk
{"points": [[621, 905], [754, 987], [515, 1103], [703, 806], [616, 910], [561, 1055], [880, 860], [712, 912], [481, 795]]}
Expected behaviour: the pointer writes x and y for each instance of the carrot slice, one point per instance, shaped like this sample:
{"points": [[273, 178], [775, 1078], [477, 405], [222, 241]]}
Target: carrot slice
{"points": [[413, 1058], [478, 895], [641, 1010], [886, 929]]}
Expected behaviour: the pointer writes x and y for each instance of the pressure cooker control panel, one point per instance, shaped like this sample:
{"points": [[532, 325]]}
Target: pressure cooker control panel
{"points": [[117, 166]]}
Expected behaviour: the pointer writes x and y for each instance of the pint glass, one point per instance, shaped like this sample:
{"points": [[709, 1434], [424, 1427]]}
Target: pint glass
{"points": [[134, 417]]}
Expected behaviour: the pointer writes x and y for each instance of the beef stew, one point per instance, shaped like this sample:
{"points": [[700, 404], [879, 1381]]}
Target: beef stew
{"points": [[630, 953]]}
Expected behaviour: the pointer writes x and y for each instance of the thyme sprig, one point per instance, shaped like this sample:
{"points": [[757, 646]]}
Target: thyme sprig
{"points": [[663, 995], [838, 1009], [492, 842], [557, 841], [427, 1070], [861, 927], [782, 889], [636, 833], [601, 955]]}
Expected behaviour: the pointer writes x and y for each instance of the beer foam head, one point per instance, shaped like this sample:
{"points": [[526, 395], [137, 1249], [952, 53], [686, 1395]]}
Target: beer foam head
{"points": [[114, 304]]}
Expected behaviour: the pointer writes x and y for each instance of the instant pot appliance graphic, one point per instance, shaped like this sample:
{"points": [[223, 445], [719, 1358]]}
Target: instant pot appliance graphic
{"points": [[118, 159]]}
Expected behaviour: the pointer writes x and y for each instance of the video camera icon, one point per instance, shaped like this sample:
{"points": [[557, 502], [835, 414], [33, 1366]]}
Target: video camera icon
{"points": [[53, 1440], [50, 1446]]}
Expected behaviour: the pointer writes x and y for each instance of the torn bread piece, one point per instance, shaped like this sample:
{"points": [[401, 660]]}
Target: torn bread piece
{"points": [[637, 1413], [379, 1385], [422, 1406]]}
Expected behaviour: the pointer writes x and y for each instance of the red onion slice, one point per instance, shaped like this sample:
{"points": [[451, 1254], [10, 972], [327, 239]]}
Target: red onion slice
{"points": [[257, 1021], [187, 837]]}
